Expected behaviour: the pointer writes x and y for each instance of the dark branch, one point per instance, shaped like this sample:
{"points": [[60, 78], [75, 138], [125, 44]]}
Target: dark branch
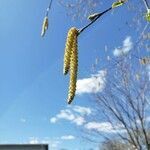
{"points": [[146, 4], [49, 7], [98, 16]]}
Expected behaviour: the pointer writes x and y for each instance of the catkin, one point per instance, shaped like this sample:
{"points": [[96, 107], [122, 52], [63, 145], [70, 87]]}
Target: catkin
{"points": [[73, 70], [44, 26], [72, 34]]}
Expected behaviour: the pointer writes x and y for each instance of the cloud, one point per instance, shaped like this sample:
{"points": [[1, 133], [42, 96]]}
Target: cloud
{"points": [[103, 127], [82, 110], [94, 84], [53, 143], [79, 120], [53, 120], [127, 46], [74, 114], [69, 116], [66, 114], [33, 140], [68, 137]]}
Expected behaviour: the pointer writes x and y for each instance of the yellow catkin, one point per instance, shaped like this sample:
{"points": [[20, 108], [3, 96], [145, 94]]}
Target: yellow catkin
{"points": [[44, 26], [73, 71], [72, 33]]}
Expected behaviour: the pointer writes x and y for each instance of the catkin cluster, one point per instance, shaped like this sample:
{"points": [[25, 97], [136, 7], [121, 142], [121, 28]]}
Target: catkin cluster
{"points": [[71, 61], [44, 26]]}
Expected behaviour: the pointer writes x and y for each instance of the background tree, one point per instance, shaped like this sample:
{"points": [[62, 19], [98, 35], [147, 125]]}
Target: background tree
{"points": [[115, 145], [124, 103]]}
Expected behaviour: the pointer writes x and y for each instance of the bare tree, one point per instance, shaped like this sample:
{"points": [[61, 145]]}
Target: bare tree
{"points": [[124, 104], [115, 144]]}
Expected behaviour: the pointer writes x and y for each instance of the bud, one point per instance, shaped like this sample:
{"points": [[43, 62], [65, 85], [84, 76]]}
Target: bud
{"points": [[118, 3], [93, 16]]}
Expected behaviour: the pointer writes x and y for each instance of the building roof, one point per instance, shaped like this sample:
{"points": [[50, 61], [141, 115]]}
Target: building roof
{"points": [[25, 145]]}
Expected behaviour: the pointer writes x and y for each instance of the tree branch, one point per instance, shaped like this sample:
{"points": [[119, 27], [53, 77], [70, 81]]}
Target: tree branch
{"points": [[97, 17], [146, 4], [49, 7]]}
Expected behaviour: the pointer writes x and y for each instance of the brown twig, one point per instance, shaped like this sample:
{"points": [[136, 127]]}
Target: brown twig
{"points": [[97, 17]]}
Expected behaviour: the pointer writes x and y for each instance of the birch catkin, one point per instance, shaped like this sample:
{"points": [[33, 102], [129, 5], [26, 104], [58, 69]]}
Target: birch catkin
{"points": [[72, 33], [73, 70], [44, 26]]}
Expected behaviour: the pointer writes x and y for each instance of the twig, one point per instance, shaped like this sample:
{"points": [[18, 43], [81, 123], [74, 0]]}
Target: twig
{"points": [[49, 7], [98, 16], [146, 4]]}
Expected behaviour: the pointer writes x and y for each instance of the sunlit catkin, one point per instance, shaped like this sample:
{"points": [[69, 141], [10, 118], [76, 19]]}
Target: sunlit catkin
{"points": [[73, 70], [72, 34], [44, 26]]}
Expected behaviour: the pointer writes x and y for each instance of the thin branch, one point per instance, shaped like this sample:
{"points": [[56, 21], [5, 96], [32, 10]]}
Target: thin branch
{"points": [[146, 4], [98, 16], [49, 7]]}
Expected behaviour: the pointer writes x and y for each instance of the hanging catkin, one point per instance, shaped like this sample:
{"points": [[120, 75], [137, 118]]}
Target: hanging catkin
{"points": [[73, 70], [44, 26], [72, 33]]}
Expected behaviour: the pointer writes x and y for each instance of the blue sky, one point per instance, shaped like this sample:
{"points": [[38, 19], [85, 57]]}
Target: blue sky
{"points": [[33, 89]]}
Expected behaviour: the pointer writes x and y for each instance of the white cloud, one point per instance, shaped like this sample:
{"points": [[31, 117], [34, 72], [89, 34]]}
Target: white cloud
{"points": [[53, 143], [66, 114], [70, 116], [79, 120], [53, 120], [82, 110], [103, 127], [33, 140], [74, 114], [94, 84], [68, 137], [127, 46]]}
